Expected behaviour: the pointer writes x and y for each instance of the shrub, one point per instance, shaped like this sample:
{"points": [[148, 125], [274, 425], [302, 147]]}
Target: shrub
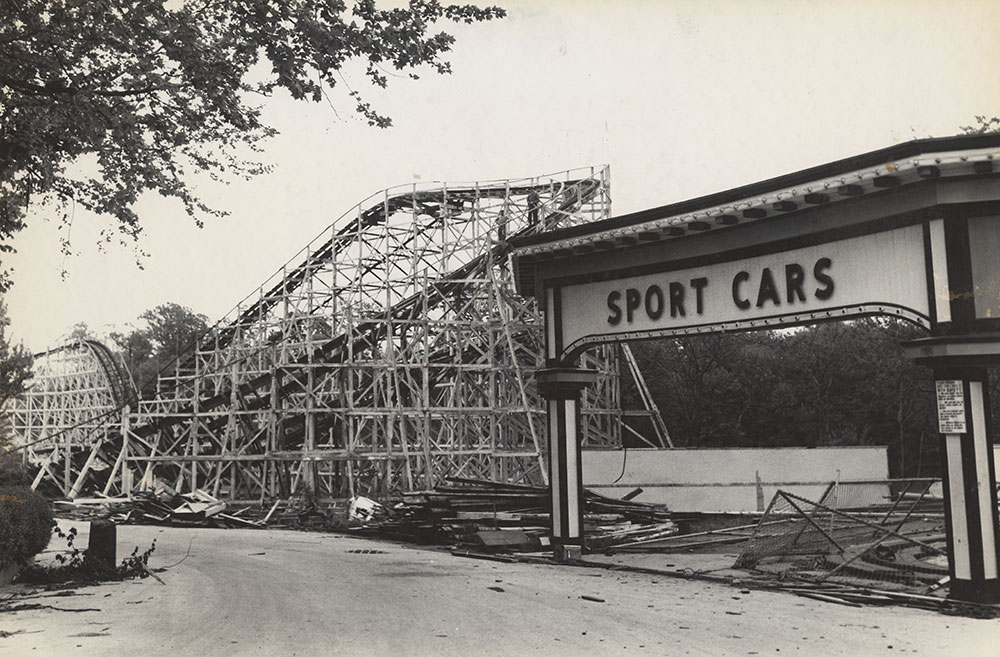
{"points": [[76, 567], [25, 524], [12, 471]]}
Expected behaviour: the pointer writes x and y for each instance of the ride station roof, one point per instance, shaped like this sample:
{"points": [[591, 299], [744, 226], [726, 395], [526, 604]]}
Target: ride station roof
{"points": [[877, 172]]}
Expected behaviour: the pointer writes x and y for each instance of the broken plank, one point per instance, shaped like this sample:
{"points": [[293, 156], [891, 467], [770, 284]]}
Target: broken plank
{"points": [[827, 598]]}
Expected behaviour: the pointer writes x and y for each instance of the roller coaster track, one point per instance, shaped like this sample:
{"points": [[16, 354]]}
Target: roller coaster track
{"points": [[366, 332], [389, 353], [73, 402], [119, 381]]}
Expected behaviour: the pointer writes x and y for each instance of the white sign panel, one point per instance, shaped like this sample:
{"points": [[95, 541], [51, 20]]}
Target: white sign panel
{"points": [[950, 407], [864, 274]]}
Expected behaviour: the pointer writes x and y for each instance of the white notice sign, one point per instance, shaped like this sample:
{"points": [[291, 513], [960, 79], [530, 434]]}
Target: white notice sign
{"points": [[950, 407]]}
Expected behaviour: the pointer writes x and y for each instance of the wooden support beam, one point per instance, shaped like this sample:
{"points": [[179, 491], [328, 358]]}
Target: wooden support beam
{"points": [[85, 470]]}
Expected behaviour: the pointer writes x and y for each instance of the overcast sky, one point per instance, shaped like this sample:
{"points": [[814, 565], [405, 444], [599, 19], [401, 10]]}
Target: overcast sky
{"points": [[680, 98]]}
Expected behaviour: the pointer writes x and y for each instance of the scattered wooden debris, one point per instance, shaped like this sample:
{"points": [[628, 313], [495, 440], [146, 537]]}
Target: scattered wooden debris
{"points": [[856, 596], [364, 509], [496, 517], [197, 508], [161, 506]]}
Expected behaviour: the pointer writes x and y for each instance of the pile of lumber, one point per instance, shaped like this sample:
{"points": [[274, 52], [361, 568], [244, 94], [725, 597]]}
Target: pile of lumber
{"points": [[161, 506], [476, 514], [86, 509], [197, 508], [497, 516]]}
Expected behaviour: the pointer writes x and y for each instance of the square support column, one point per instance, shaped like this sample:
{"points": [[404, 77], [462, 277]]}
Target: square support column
{"points": [[562, 389], [969, 475]]}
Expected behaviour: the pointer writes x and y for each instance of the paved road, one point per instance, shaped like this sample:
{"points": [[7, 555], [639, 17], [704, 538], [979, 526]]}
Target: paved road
{"points": [[245, 592]]}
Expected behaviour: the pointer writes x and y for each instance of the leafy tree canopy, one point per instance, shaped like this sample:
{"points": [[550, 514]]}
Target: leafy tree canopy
{"points": [[835, 383], [984, 125], [831, 384], [15, 370], [170, 331], [148, 91]]}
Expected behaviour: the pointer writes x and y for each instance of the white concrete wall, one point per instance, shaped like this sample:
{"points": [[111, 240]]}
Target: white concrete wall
{"points": [[725, 479]]}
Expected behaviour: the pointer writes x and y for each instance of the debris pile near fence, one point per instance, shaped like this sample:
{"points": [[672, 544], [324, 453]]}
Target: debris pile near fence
{"points": [[485, 515], [161, 506], [494, 516]]}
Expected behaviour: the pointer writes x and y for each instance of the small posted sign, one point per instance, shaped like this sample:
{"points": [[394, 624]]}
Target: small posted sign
{"points": [[950, 407]]}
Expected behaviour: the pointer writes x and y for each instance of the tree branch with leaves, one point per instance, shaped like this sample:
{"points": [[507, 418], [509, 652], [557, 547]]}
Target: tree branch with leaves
{"points": [[150, 91], [15, 370]]}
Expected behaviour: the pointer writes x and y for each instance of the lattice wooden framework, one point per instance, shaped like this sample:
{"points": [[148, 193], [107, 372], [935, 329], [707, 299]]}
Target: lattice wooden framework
{"points": [[390, 352], [68, 421]]}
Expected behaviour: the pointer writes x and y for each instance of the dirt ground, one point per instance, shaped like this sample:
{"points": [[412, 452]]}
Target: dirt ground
{"points": [[276, 592]]}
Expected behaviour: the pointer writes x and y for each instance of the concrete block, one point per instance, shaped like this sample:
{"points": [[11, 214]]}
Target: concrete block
{"points": [[103, 545]]}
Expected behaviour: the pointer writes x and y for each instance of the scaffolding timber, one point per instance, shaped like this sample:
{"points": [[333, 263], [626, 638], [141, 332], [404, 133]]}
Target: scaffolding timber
{"points": [[388, 353], [68, 421]]}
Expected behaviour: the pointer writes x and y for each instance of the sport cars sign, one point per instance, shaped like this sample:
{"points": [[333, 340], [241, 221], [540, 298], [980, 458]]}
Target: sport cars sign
{"points": [[883, 272]]}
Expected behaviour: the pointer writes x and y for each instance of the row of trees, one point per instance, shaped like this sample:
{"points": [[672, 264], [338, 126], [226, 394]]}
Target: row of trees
{"points": [[831, 384], [163, 334], [168, 331], [15, 370]]}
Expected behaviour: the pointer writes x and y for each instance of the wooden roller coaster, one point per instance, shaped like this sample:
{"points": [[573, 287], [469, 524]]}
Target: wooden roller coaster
{"points": [[389, 353]]}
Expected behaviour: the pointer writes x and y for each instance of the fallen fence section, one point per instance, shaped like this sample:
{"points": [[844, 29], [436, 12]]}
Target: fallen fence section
{"points": [[858, 533]]}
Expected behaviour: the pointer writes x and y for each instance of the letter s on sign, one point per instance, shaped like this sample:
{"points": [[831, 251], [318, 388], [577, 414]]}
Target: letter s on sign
{"points": [[825, 292], [616, 312]]}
